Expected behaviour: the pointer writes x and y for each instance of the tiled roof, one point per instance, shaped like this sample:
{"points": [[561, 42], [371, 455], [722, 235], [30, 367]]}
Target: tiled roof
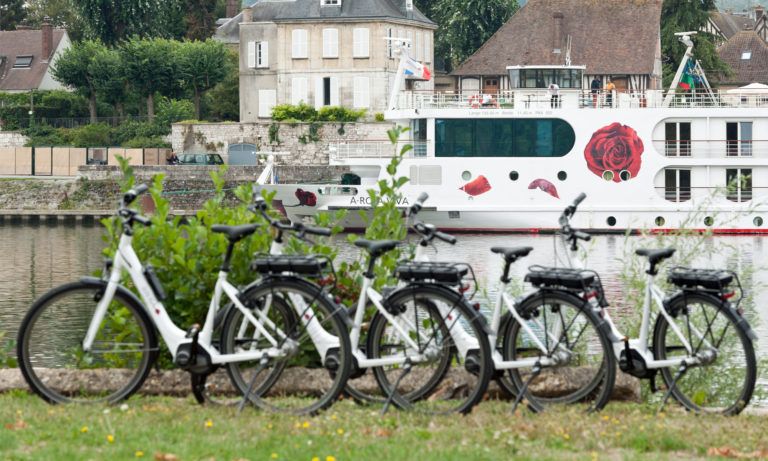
{"points": [[310, 10], [16, 43], [754, 69], [608, 37], [731, 24]]}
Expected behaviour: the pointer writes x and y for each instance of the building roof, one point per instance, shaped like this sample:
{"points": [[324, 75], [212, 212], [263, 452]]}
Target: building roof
{"points": [[731, 24], [15, 43], [607, 36], [310, 10], [754, 69]]}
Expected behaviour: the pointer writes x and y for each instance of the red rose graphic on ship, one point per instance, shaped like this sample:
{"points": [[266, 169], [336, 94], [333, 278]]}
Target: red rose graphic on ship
{"points": [[614, 148], [306, 197], [478, 186]]}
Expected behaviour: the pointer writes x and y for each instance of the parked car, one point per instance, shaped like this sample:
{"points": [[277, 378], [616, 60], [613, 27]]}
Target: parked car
{"points": [[200, 159]]}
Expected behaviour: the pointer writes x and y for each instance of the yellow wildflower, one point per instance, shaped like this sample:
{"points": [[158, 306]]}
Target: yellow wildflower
{"points": [[330, 458], [209, 423], [111, 438], [274, 455], [84, 429], [306, 424], [139, 453], [341, 431]]}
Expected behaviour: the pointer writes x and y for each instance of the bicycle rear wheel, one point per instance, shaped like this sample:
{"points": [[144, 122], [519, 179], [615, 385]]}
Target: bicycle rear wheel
{"points": [[436, 320], [587, 367], [50, 351], [725, 381], [308, 328]]}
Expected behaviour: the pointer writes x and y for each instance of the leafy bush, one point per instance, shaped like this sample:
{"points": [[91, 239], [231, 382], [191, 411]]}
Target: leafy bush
{"points": [[132, 129], [45, 135], [339, 114], [303, 112], [144, 141], [379, 117], [172, 111], [66, 104], [96, 134]]}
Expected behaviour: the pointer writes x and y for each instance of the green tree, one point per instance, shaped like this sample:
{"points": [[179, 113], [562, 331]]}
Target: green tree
{"points": [[683, 16], [11, 12], [72, 70], [113, 21], [200, 19], [109, 81], [151, 66], [202, 65], [466, 24], [63, 14], [223, 101]]}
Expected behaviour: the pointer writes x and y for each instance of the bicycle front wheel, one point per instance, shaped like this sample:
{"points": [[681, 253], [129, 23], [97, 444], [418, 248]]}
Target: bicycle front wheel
{"points": [[306, 339], [51, 356], [428, 326], [724, 378], [557, 327]]}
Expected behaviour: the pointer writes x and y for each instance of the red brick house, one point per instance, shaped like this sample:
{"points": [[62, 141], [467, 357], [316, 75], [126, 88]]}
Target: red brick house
{"points": [[616, 38], [26, 57]]}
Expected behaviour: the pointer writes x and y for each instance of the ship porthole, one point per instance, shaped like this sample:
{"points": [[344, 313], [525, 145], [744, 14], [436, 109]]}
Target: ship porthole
{"points": [[625, 175], [466, 175], [660, 220], [708, 221], [758, 221], [562, 175], [608, 175], [611, 221], [514, 175]]}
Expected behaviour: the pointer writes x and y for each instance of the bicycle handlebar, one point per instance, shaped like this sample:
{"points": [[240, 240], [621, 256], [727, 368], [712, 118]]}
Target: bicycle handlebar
{"points": [[414, 209], [260, 206]]}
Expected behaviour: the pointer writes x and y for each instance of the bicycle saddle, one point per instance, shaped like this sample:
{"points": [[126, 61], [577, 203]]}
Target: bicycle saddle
{"points": [[235, 233], [511, 254], [377, 247], [654, 256]]}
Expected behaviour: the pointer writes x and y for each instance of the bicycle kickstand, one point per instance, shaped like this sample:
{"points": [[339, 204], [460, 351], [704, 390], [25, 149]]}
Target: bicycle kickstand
{"points": [[393, 391], [262, 366], [534, 373], [683, 369]]}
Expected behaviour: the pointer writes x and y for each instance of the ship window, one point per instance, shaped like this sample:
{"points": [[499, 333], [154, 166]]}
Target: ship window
{"points": [[708, 221], [611, 221], [547, 137], [758, 221], [466, 175], [738, 183], [608, 175], [514, 175], [561, 175], [677, 184], [454, 215], [738, 139], [625, 175], [677, 139], [659, 220]]}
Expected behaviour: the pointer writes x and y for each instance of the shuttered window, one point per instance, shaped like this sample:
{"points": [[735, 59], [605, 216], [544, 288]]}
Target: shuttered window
{"points": [[299, 44], [361, 47], [267, 100], [262, 54], [251, 55], [330, 43], [299, 90]]}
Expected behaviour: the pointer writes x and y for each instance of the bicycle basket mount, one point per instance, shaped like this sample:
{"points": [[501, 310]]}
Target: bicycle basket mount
{"points": [[581, 280], [299, 264], [709, 279]]}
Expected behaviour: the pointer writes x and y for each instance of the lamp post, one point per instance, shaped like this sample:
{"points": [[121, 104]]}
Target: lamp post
{"points": [[31, 107]]}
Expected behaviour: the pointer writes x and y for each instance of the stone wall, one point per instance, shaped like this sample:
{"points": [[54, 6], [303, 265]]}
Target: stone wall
{"points": [[217, 137], [12, 139]]}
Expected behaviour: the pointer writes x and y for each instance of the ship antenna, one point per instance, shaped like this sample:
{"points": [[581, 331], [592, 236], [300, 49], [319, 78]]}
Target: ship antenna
{"points": [[684, 37]]}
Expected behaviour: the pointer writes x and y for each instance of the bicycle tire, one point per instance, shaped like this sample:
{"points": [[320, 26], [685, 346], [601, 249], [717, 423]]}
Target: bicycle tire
{"points": [[454, 383], [723, 386], [300, 382], [590, 371], [50, 351]]}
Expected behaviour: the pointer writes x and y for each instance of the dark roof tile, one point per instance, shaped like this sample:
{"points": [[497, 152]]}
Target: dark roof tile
{"points": [[15, 43], [750, 70]]}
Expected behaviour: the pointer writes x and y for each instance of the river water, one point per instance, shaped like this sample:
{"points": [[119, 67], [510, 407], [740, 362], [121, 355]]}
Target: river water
{"points": [[37, 257]]}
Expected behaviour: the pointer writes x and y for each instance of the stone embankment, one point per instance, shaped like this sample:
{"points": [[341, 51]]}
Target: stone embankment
{"points": [[187, 187]]}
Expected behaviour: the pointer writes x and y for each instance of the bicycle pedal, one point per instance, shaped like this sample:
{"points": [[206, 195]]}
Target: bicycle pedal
{"points": [[193, 332]]}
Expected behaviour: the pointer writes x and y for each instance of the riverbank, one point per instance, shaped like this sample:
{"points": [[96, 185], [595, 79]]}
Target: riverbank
{"points": [[174, 429]]}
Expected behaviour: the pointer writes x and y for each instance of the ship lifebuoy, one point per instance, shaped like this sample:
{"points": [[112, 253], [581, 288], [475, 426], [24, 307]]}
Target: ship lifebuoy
{"points": [[474, 101]]}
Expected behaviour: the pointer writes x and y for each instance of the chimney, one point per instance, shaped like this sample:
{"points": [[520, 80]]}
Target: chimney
{"points": [[758, 14], [557, 33], [409, 9], [247, 15], [47, 32], [232, 6]]}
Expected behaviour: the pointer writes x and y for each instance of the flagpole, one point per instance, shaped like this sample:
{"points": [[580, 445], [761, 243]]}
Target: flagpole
{"points": [[684, 37]]}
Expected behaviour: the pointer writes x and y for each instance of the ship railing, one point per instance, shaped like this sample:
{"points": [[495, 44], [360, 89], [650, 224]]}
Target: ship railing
{"points": [[712, 148], [542, 99], [375, 148], [743, 192]]}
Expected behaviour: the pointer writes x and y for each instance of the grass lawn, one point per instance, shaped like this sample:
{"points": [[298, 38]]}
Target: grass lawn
{"points": [[173, 428]]}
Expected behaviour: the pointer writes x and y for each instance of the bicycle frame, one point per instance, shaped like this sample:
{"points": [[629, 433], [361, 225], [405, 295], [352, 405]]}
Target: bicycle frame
{"points": [[126, 259]]}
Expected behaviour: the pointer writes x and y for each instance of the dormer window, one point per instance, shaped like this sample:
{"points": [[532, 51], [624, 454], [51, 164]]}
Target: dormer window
{"points": [[330, 2], [22, 61], [746, 55]]}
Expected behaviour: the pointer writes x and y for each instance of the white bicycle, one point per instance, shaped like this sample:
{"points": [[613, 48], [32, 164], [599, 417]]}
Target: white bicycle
{"points": [[94, 341]]}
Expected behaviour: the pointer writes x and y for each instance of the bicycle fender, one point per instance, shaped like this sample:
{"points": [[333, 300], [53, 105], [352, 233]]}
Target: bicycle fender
{"points": [[96, 282], [602, 324], [337, 310], [448, 293], [740, 320]]}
